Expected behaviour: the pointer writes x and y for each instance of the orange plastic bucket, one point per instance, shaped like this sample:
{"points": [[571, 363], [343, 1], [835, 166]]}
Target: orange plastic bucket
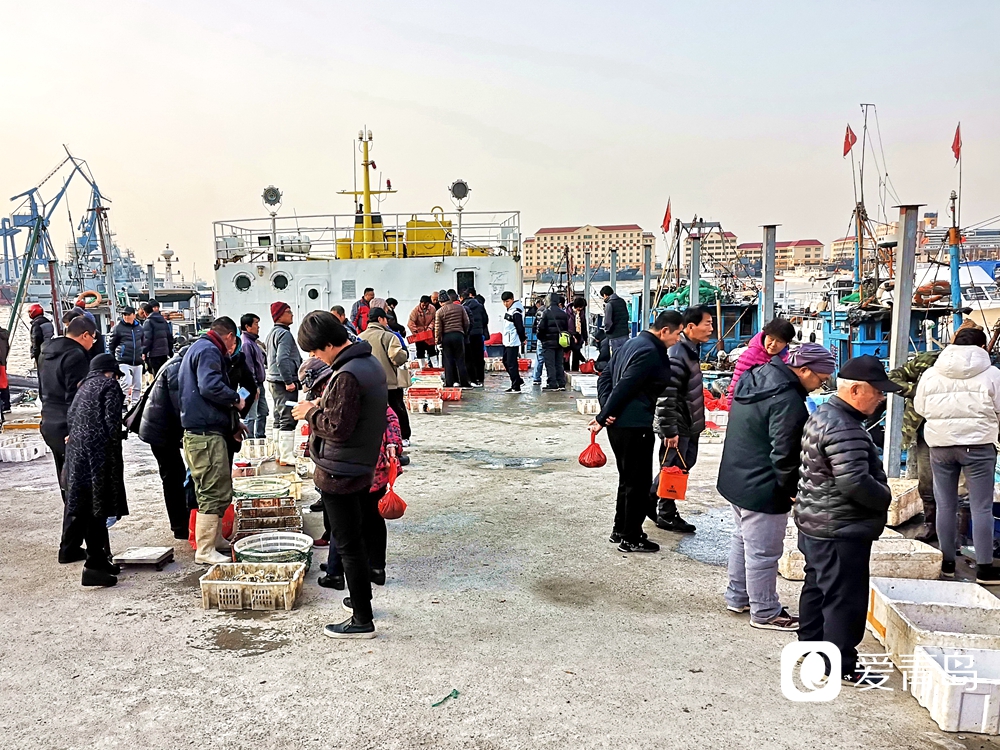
{"points": [[673, 485]]}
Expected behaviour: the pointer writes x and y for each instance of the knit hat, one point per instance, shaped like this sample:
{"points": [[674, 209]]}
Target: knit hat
{"points": [[278, 309], [313, 373], [105, 363], [817, 358], [34, 311], [377, 302]]}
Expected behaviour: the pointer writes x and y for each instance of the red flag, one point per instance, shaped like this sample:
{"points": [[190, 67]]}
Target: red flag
{"points": [[956, 144], [849, 140], [666, 219]]}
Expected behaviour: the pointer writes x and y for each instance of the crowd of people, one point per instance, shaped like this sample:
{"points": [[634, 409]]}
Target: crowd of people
{"points": [[824, 468]]}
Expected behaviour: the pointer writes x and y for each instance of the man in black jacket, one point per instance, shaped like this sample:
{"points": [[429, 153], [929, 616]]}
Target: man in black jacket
{"points": [[126, 345], [685, 410], [475, 356], [627, 392], [554, 322], [63, 366], [157, 337], [41, 331], [616, 321], [759, 474], [840, 510]]}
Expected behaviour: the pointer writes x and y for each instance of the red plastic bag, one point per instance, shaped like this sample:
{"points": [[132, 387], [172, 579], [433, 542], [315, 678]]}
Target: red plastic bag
{"points": [[587, 368], [593, 457], [391, 505]]}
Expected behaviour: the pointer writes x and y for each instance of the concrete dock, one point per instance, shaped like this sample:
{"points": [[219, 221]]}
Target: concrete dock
{"points": [[501, 585]]}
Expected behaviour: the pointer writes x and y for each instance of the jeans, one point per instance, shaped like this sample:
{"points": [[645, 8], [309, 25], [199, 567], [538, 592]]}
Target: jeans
{"points": [[633, 449], [172, 473], [555, 374], [256, 418], [834, 599], [453, 354], [356, 528], [920, 454], [131, 381], [978, 462], [475, 358], [687, 448], [510, 357], [283, 419], [754, 551], [398, 407], [208, 459]]}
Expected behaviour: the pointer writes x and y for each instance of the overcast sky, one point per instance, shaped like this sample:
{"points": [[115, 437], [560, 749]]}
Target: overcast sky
{"points": [[572, 112]]}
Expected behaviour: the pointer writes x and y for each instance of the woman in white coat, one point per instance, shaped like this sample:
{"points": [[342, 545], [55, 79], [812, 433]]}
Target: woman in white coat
{"points": [[960, 398]]}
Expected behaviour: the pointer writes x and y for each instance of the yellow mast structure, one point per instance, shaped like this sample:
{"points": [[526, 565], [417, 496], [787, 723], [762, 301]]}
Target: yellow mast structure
{"points": [[365, 236]]}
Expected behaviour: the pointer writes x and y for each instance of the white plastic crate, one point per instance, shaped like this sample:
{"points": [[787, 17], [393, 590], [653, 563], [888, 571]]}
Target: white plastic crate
{"points": [[22, 450], [579, 382], [219, 587], [425, 405], [588, 405], [884, 591], [960, 687], [719, 417], [909, 625]]}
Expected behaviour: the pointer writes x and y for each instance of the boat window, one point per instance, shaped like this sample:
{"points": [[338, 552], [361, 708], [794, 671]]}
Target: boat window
{"points": [[279, 281], [991, 291], [313, 293], [465, 280], [243, 281], [973, 292]]}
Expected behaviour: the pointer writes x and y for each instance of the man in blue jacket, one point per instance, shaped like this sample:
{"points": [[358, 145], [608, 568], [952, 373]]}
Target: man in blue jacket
{"points": [[627, 391], [208, 416]]}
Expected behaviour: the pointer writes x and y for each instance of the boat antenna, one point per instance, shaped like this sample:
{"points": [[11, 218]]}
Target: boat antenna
{"points": [[296, 215]]}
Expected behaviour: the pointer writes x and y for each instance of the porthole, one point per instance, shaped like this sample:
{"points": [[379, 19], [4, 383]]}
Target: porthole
{"points": [[279, 281], [313, 293], [243, 281]]}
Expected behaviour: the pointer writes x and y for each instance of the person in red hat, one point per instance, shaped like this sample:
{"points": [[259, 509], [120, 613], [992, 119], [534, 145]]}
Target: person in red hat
{"points": [[283, 361], [41, 331]]}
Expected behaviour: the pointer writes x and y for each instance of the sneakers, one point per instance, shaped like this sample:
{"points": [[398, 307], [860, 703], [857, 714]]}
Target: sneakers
{"points": [[406, 443], [378, 576], [948, 568], [347, 604], [988, 575], [477, 385], [739, 610], [643, 545], [615, 538], [513, 390], [332, 582], [350, 629], [675, 523], [317, 507], [781, 621]]}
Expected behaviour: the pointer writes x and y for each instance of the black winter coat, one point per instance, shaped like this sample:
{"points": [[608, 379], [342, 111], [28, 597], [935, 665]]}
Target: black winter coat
{"points": [[843, 492], [41, 331], [638, 374], [126, 343], [63, 366], [687, 409], [95, 469], [479, 319], [761, 456], [554, 321], [4, 346], [161, 416], [157, 337], [616, 322]]}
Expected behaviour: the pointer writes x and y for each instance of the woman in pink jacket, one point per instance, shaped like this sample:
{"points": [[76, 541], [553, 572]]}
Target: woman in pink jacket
{"points": [[774, 339]]}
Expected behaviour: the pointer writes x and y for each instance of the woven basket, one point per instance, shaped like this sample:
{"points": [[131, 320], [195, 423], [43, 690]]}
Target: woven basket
{"points": [[275, 547]]}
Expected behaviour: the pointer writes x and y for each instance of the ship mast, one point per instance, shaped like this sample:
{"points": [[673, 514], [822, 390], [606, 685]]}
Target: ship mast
{"points": [[366, 193]]}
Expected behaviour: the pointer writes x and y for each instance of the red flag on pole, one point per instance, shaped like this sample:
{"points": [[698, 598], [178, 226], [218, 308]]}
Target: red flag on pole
{"points": [[666, 219], [849, 140], [956, 144]]}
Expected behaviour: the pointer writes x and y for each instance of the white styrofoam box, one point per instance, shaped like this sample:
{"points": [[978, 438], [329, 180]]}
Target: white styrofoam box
{"points": [[588, 405], [906, 502], [580, 382], [17, 452], [908, 625], [718, 416], [893, 556], [884, 591], [589, 391], [957, 700]]}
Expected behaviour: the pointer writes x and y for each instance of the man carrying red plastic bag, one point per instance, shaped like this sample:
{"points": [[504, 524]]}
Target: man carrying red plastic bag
{"points": [[638, 374]]}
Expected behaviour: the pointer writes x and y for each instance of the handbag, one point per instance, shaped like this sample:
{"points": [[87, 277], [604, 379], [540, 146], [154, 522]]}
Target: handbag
{"points": [[673, 480], [403, 378], [564, 339], [133, 417]]}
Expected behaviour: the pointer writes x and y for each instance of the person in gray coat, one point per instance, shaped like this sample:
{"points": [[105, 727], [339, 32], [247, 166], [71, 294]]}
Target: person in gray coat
{"points": [[283, 360]]}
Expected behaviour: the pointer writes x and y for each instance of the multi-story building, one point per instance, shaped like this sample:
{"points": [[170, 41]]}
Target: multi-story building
{"points": [[546, 251], [719, 251], [787, 255], [842, 249], [977, 244]]}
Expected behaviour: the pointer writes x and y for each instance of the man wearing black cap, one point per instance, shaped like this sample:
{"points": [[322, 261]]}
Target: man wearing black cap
{"points": [[840, 510]]}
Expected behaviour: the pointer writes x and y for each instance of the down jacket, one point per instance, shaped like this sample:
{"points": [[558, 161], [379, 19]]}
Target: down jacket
{"points": [[686, 407], [160, 423], [762, 454], [754, 355], [959, 398], [553, 322], [843, 492]]}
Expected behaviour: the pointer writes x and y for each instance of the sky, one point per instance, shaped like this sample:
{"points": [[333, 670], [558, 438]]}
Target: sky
{"points": [[571, 112]]}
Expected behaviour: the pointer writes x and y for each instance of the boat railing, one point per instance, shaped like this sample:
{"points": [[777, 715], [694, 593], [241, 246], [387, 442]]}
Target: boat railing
{"points": [[376, 235]]}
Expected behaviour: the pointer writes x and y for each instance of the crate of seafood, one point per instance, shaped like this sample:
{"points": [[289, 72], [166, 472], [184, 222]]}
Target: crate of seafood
{"points": [[256, 586]]}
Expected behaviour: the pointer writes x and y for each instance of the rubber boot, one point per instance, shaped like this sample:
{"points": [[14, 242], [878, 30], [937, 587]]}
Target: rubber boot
{"points": [[206, 528], [928, 532], [222, 544]]}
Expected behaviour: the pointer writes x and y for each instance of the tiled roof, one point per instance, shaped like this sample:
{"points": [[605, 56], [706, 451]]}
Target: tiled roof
{"points": [[792, 243], [605, 228]]}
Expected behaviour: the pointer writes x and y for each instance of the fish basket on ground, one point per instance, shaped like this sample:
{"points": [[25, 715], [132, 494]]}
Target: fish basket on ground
{"points": [[261, 487], [451, 394], [588, 406], [423, 392], [243, 504], [289, 520], [275, 547], [431, 371], [256, 586], [425, 405]]}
